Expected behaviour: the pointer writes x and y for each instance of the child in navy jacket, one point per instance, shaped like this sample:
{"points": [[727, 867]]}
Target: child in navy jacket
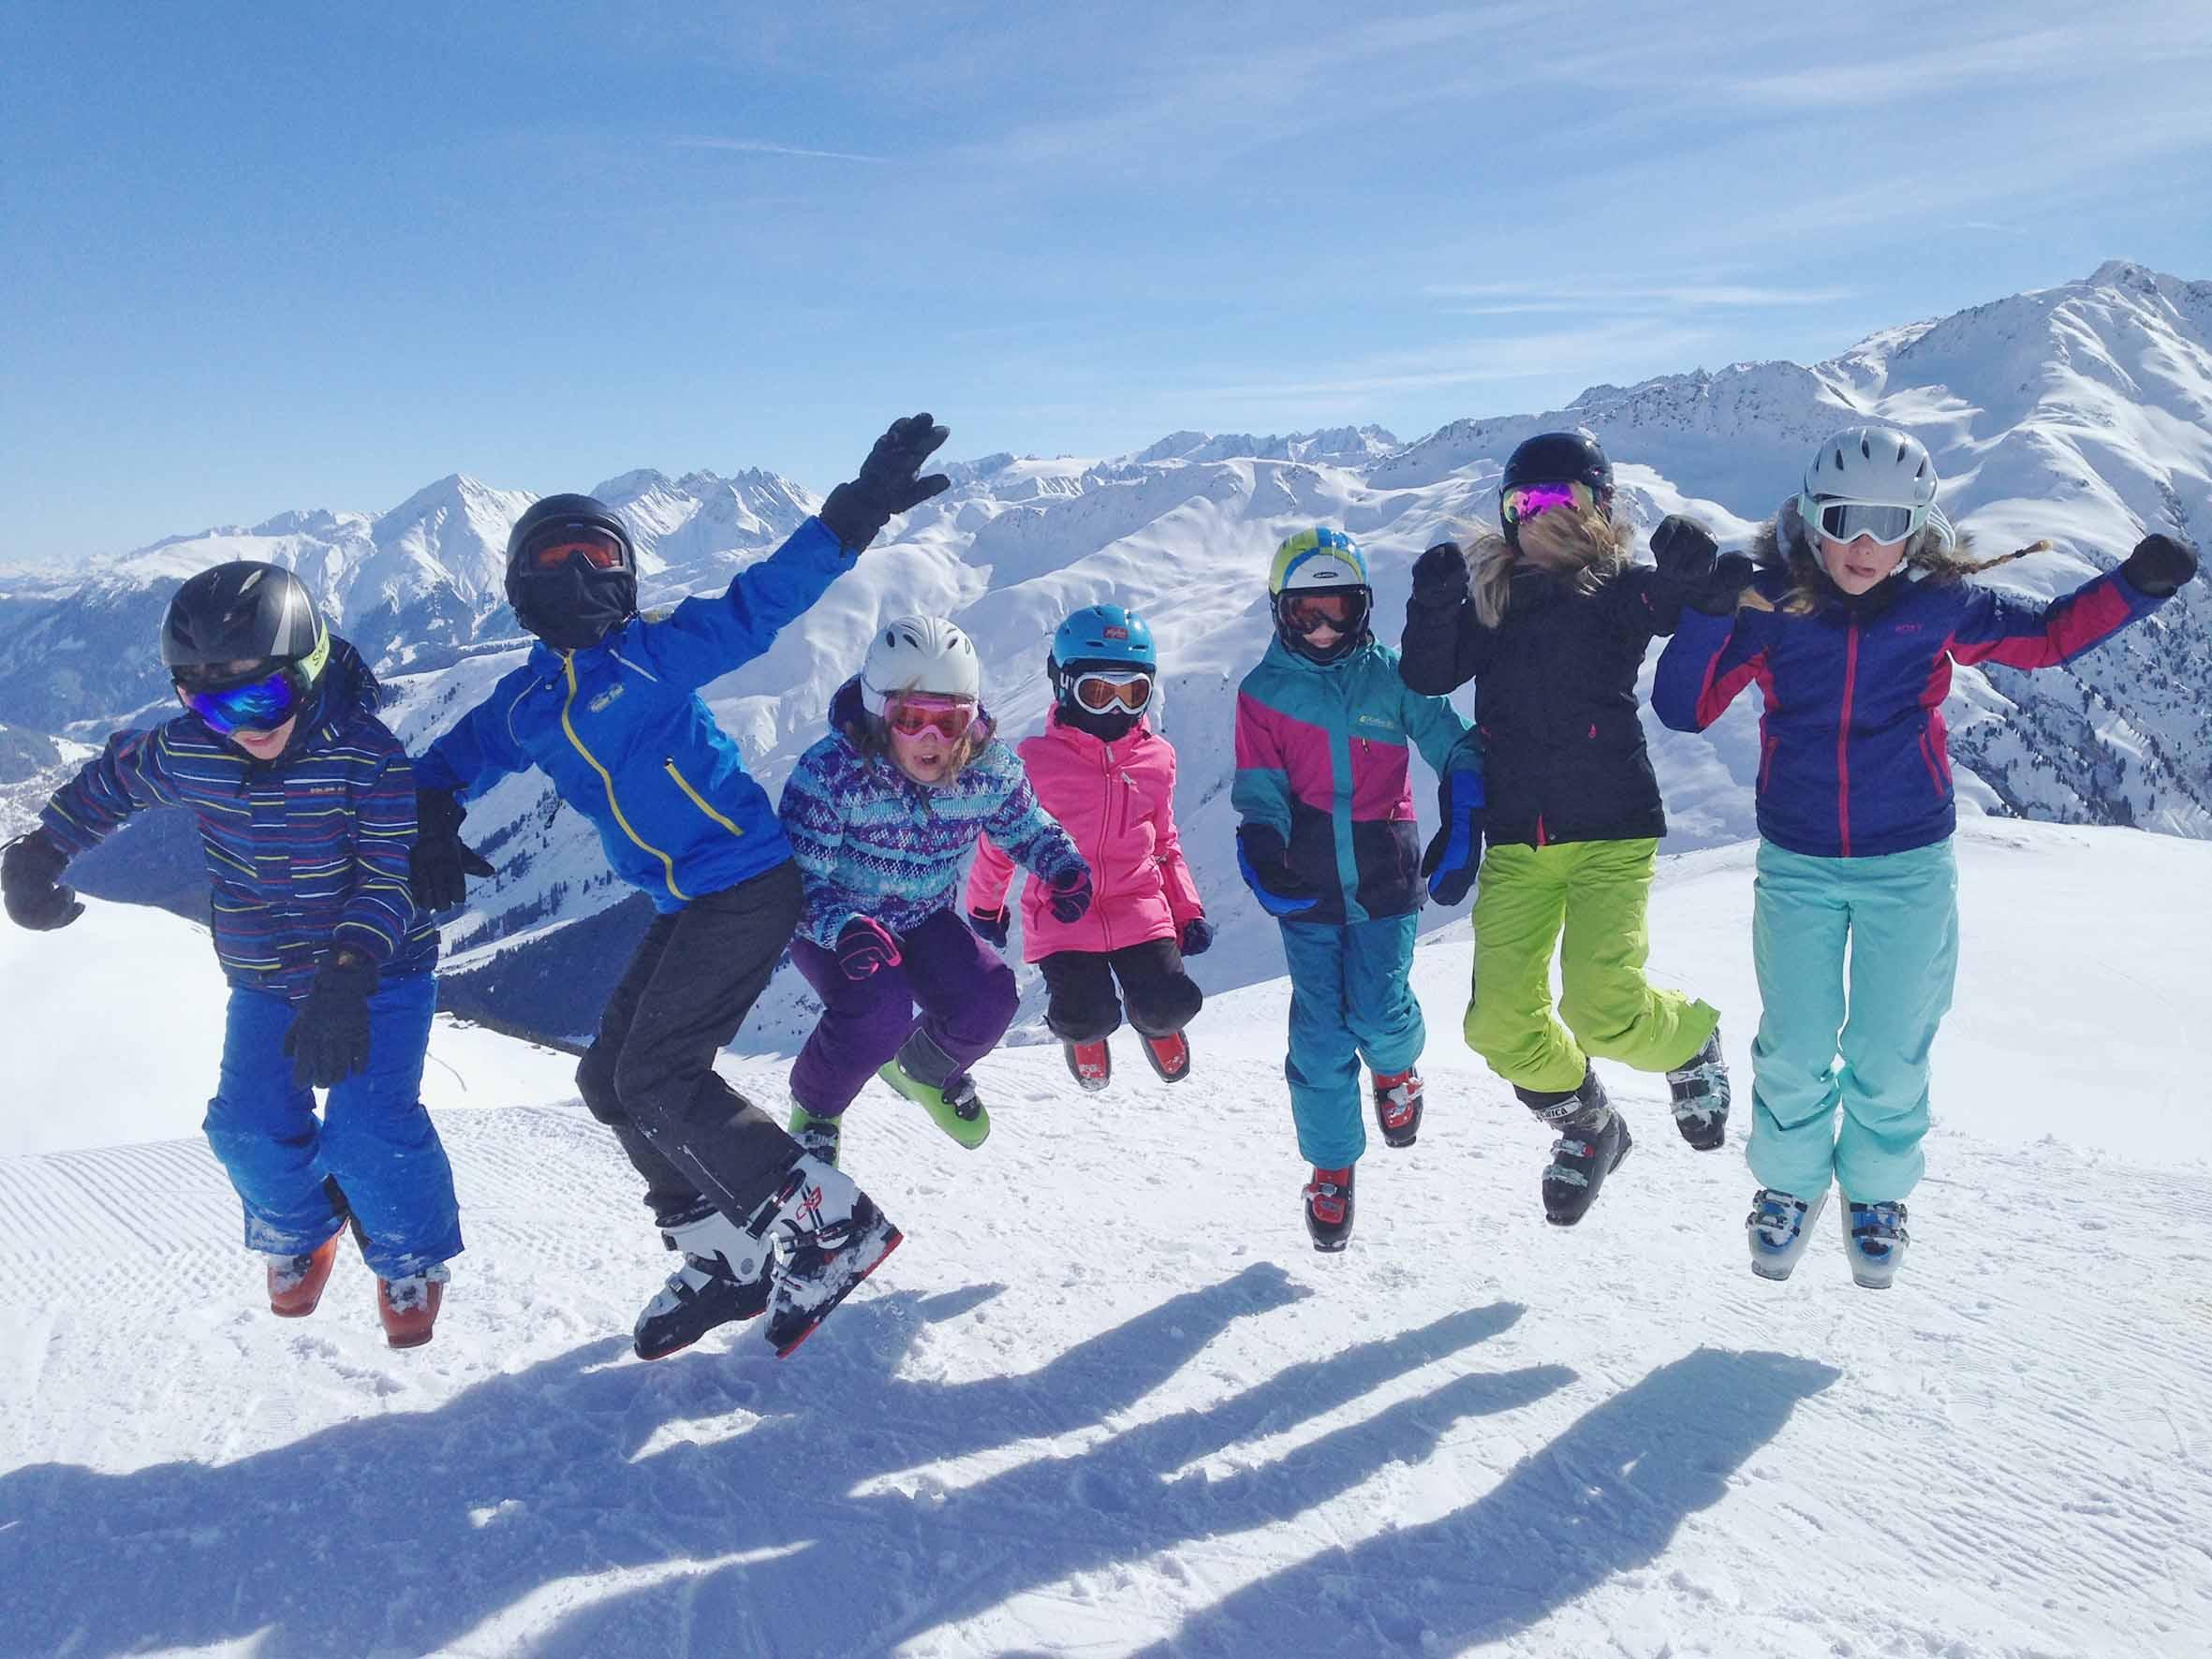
{"points": [[1851, 626]]}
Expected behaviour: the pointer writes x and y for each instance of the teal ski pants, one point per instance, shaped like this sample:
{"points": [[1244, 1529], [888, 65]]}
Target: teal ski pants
{"points": [[1349, 1001], [1864, 1048]]}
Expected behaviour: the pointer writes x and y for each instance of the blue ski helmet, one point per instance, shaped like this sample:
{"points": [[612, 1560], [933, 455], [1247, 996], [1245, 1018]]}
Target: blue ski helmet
{"points": [[1105, 636]]}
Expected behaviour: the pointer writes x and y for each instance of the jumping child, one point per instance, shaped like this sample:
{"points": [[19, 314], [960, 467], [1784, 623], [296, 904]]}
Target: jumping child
{"points": [[1551, 624], [1328, 844], [306, 815], [1858, 611], [1110, 779], [883, 812]]}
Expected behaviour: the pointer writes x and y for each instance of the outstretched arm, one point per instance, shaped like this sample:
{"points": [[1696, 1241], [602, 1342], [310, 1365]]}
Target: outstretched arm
{"points": [[2021, 635], [134, 771]]}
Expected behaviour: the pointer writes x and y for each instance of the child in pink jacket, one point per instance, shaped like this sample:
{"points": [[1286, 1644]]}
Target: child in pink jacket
{"points": [[1110, 780]]}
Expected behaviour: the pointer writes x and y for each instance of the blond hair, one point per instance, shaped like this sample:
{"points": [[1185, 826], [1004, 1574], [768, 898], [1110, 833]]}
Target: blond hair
{"points": [[1586, 546]]}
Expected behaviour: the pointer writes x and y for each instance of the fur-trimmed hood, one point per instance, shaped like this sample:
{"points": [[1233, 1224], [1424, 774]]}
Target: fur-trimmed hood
{"points": [[1782, 545]]}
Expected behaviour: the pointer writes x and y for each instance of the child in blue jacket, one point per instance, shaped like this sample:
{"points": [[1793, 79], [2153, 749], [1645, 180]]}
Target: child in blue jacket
{"points": [[1328, 844], [608, 706], [1852, 620], [306, 814]]}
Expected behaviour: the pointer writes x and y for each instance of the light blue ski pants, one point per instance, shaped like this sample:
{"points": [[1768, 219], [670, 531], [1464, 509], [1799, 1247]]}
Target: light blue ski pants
{"points": [[1349, 1001], [1867, 1051]]}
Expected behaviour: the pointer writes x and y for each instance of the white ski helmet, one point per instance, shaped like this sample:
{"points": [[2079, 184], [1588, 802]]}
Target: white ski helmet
{"points": [[919, 653], [1884, 475]]}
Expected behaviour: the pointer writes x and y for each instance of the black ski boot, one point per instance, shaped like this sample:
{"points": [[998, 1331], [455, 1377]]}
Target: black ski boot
{"points": [[1592, 1142], [1328, 1209], [709, 1289], [1700, 1088]]}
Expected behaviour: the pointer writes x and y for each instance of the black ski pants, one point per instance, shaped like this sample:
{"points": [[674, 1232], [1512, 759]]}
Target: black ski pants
{"points": [[1083, 1007], [649, 1075]]}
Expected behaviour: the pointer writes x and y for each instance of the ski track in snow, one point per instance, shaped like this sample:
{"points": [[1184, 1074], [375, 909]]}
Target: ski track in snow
{"points": [[1106, 1401]]}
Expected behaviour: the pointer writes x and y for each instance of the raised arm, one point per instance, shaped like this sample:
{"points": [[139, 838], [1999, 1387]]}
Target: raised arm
{"points": [[1445, 645], [2021, 635]]}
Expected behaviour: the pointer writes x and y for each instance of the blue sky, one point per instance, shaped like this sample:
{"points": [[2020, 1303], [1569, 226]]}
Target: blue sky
{"points": [[262, 258]]}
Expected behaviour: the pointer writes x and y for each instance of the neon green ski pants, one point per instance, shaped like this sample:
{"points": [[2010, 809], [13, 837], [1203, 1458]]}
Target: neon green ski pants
{"points": [[1597, 891]]}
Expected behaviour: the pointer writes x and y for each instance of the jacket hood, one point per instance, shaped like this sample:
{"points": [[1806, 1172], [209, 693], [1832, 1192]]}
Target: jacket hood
{"points": [[346, 689]]}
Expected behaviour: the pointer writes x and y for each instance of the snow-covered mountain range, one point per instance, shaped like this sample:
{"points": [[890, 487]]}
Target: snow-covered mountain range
{"points": [[2082, 413]]}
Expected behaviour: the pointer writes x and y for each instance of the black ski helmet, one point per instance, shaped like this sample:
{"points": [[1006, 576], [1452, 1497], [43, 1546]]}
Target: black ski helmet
{"points": [[1560, 458], [244, 612], [576, 604]]}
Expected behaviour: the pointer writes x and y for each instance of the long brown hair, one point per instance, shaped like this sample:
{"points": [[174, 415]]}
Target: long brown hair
{"points": [[1587, 548]]}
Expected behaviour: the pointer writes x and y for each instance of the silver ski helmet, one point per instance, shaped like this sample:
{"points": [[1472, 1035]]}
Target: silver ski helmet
{"points": [[1868, 480], [919, 653]]}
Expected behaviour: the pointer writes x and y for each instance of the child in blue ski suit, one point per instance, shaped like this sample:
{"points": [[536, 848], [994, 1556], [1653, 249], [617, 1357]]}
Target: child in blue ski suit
{"points": [[1327, 843], [306, 814], [883, 814], [607, 706], [1852, 620]]}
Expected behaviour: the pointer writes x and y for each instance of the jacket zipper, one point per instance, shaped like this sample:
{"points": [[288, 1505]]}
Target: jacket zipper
{"points": [[697, 799], [606, 778], [1843, 739]]}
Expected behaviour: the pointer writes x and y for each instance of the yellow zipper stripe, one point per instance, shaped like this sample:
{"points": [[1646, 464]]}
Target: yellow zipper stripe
{"points": [[700, 801], [569, 671]]}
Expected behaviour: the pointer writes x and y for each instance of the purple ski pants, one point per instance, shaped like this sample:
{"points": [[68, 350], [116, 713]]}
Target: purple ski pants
{"points": [[965, 992]]}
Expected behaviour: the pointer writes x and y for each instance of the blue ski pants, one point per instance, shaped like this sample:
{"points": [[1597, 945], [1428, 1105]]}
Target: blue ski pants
{"points": [[374, 1135], [1349, 1001], [1857, 1037]]}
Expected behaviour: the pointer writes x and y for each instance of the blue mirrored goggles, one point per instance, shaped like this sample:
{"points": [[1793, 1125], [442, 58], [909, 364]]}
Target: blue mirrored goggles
{"points": [[261, 704]]}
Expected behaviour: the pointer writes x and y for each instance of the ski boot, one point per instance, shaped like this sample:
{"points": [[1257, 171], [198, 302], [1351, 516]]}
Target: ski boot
{"points": [[1328, 1209], [408, 1305], [1779, 1226], [955, 1110], [725, 1278], [1592, 1142], [1091, 1064], [1170, 1056], [1874, 1238], [296, 1281], [1397, 1106], [819, 1135], [831, 1237], [1700, 1088]]}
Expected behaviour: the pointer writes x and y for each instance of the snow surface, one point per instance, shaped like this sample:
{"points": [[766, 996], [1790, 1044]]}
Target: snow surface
{"points": [[1106, 1401]]}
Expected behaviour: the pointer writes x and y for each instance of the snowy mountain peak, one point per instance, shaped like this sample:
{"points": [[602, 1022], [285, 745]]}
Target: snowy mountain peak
{"points": [[1356, 443]]}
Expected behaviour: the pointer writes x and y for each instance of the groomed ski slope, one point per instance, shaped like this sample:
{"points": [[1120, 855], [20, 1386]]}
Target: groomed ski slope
{"points": [[1107, 1401]]}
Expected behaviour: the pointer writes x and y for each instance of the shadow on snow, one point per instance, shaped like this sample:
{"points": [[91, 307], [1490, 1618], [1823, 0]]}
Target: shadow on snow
{"points": [[408, 1532]]}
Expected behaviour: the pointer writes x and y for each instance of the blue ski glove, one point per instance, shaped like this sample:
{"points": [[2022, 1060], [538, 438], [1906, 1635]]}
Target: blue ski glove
{"points": [[1455, 851], [865, 945], [990, 925], [1266, 866], [1198, 936], [1071, 894]]}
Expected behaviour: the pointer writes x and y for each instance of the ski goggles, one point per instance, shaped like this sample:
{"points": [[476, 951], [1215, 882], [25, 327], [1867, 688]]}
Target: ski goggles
{"points": [[1878, 520], [553, 548], [1523, 502], [1308, 613], [1100, 690], [262, 703], [913, 712]]}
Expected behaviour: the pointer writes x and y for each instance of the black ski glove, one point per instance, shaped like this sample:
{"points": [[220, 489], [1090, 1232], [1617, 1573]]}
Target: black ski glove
{"points": [[437, 867], [328, 1040], [1682, 549], [1440, 577], [1724, 588], [856, 512], [30, 883], [2159, 565], [990, 925]]}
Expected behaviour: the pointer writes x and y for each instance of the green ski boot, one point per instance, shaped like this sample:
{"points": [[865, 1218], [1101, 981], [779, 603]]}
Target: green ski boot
{"points": [[961, 1116], [819, 1135]]}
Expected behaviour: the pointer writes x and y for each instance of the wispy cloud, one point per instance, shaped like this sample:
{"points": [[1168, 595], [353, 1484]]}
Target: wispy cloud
{"points": [[764, 147], [1523, 296]]}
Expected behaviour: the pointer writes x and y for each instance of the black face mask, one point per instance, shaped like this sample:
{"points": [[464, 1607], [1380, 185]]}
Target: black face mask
{"points": [[1109, 727], [575, 606]]}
